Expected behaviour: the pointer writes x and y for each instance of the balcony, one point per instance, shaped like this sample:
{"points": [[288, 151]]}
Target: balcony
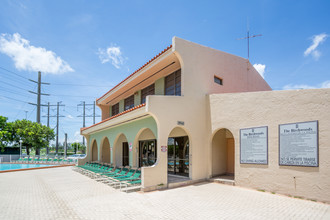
{"points": [[134, 113]]}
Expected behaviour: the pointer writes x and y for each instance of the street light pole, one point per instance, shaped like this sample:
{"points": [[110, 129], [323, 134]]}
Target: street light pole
{"points": [[20, 148]]}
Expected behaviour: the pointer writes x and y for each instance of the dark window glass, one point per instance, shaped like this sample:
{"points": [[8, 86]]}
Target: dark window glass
{"points": [[129, 102], [173, 84], [218, 80], [150, 90], [125, 154], [115, 109]]}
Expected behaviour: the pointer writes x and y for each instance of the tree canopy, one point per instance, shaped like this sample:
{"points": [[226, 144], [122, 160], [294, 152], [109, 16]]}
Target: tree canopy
{"points": [[32, 134], [6, 133], [77, 146]]}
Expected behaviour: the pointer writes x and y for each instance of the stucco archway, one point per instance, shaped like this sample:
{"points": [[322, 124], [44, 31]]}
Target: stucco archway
{"points": [[145, 148], [223, 153], [178, 151], [120, 148], [105, 151], [94, 151]]}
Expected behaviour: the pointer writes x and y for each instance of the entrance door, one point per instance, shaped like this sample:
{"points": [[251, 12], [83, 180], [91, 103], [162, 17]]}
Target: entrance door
{"points": [[125, 154], [178, 156], [147, 153]]}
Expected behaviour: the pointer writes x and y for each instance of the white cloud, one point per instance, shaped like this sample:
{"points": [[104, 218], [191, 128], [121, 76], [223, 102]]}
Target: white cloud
{"points": [[31, 58], [112, 54], [77, 137], [312, 49], [77, 134], [69, 116], [325, 84], [260, 68]]}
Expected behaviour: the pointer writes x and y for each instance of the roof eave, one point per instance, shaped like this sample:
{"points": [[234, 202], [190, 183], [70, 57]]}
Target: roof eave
{"points": [[159, 57]]}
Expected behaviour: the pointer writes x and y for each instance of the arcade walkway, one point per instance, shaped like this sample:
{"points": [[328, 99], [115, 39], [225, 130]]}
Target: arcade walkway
{"points": [[61, 193]]}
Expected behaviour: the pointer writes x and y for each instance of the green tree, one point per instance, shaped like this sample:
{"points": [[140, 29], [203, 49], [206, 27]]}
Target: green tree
{"points": [[33, 135], [6, 132], [78, 146]]}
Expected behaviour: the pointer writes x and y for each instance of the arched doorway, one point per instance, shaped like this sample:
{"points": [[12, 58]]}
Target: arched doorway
{"points": [[178, 152], [105, 158], [146, 148], [94, 151], [223, 153], [121, 151]]}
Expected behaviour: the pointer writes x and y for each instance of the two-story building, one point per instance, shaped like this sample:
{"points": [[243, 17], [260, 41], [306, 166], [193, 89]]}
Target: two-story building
{"points": [[181, 113], [158, 118]]}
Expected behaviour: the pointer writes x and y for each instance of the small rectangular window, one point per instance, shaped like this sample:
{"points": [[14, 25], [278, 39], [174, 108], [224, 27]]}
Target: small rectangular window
{"points": [[150, 90], [115, 109], [129, 102], [218, 80]]}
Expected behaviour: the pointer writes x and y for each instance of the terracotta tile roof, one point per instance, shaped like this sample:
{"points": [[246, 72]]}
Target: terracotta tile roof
{"points": [[115, 116], [155, 57]]}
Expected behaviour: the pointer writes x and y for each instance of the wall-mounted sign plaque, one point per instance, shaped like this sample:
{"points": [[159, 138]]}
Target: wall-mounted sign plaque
{"points": [[299, 144], [163, 148], [254, 145]]}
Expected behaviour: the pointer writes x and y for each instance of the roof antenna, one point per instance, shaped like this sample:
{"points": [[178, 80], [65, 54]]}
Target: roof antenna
{"points": [[248, 38]]}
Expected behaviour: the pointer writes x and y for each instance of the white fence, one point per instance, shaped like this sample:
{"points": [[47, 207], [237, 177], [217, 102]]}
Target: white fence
{"points": [[8, 157]]}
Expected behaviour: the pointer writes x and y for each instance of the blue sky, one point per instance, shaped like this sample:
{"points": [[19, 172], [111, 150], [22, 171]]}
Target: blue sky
{"points": [[84, 48]]}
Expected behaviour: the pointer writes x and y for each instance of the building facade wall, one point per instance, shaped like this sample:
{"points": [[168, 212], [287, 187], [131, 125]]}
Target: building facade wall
{"points": [[116, 135], [246, 110]]}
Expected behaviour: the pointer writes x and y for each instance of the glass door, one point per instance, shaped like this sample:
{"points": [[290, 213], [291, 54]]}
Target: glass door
{"points": [[147, 153], [178, 156]]}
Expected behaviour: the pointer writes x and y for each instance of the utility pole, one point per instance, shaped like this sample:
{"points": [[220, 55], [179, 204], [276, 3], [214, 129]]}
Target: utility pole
{"points": [[94, 112], [47, 148], [58, 105], [48, 115], [83, 104], [57, 122], [39, 94], [65, 144]]}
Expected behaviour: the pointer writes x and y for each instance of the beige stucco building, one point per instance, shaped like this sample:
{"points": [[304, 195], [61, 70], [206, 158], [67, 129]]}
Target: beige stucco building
{"points": [[184, 112]]}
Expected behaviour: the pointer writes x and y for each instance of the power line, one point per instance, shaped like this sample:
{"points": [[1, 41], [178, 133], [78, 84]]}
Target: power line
{"points": [[32, 112], [69, 84], [85, 116], [14, 92], [19, 111], [58, 105], [16, 79], [59, 95], [13, 85], [12, 98], [13, 73]]}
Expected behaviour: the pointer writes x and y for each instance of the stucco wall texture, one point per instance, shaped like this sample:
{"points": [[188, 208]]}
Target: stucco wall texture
{"points": [[244, 110]]}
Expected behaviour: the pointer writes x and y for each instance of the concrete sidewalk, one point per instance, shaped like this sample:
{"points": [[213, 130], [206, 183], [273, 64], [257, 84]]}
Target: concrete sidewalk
{"points": [[61, 193]]}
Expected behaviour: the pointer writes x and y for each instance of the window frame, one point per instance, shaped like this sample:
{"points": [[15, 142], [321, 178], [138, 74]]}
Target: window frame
{"points": [[176, 74], [149, 90], [115, 107], [129, 102]]}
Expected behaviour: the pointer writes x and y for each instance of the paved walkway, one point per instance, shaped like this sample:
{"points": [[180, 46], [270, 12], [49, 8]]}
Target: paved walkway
{"points": [[61, 193]]}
